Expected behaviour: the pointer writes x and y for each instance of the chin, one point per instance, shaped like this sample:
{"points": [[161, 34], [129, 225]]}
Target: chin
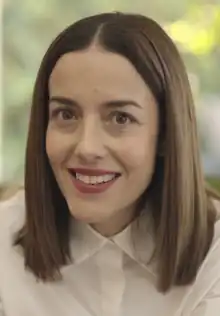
{"points": [[89, 217]]}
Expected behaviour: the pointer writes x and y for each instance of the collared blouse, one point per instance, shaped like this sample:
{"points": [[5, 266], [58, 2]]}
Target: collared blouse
{"points": [[108, 277]]}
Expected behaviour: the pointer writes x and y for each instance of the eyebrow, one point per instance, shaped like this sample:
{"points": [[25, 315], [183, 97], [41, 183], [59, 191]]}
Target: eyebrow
{"points": [[109, 104]]}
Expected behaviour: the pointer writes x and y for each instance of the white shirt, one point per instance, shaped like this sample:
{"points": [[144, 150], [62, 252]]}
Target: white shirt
{"points": [[108, 277]]}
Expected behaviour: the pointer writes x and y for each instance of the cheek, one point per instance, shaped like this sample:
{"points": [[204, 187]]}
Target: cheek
{"points": [[56, 147], [139, 153]]}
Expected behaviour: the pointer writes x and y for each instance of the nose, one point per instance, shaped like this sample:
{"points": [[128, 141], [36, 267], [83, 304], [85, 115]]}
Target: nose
{"points": [[90, 146]]}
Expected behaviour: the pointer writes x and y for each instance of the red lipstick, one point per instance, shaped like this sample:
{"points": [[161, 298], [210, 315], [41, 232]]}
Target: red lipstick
{"points": [[90, 188]]}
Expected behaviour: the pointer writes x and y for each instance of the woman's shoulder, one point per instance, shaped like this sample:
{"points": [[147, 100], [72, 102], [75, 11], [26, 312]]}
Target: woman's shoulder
{"points": [[209, 272], [216, 238], [12, 214], [213, 255], [205, 290]]}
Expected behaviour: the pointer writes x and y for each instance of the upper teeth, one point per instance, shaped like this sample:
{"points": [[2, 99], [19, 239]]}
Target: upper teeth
{"points": [[94, 179]]}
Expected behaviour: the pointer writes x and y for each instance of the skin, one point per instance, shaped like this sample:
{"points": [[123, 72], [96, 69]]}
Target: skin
{"points": [[92, 132]]}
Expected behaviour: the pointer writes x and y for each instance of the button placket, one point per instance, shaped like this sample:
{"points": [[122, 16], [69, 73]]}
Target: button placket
{"points": [[110, 261]]}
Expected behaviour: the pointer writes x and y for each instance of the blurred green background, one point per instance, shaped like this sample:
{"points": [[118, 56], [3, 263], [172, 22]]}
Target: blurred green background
{"points": [[30, 26]]}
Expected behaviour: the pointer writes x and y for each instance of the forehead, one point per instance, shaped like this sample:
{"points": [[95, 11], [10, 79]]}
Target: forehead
{"points": [[96, 70]]}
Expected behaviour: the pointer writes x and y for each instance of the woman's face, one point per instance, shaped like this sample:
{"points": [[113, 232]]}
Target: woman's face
{"points": [[102, 133]]}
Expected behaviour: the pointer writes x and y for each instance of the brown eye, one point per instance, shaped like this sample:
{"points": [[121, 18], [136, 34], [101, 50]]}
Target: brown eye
{"points": [[121, 118], [63, 114], [66, 115]]}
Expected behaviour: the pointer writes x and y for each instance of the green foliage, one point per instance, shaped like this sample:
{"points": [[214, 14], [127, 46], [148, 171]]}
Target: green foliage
{"points": [[214, 182]]}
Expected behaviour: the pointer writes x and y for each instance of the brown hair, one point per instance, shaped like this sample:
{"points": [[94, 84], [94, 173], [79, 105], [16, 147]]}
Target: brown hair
{"points": [[183, 211]]}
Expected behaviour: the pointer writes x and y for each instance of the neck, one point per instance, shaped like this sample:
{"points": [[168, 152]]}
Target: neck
{"points": [[116, 223]]}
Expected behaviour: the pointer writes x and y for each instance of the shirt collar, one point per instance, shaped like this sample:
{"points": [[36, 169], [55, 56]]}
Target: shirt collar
{"points": [[136, 240], [84, 241]]}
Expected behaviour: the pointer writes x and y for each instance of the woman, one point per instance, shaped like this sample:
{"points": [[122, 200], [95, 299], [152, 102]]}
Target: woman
{"points": [[117, 219]]}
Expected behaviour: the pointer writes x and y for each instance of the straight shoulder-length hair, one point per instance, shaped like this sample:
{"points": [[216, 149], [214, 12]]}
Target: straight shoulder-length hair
{"points": [[183, 212]]}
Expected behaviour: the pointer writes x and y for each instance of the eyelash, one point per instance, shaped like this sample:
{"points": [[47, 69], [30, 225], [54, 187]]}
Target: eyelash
{"points": [[58, 111], [125, 114]]}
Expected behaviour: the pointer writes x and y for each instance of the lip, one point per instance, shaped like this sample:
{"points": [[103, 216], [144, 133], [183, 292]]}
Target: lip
{"points": [[85, 188], [92, 172]]}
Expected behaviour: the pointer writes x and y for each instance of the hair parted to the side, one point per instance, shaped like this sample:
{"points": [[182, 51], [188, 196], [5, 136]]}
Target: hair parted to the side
{"points": [[183, 211]]}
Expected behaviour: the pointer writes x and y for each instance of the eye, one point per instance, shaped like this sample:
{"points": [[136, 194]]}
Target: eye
{"points": [[122, 118], [66, 115], [63, 114]]}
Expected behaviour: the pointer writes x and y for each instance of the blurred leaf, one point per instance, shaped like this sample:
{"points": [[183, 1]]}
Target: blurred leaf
{"points": [[197, 32]]}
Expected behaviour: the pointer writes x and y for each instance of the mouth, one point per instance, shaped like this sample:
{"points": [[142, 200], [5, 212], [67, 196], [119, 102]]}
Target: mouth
{"points": [[92, 181], [93, 178]]}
